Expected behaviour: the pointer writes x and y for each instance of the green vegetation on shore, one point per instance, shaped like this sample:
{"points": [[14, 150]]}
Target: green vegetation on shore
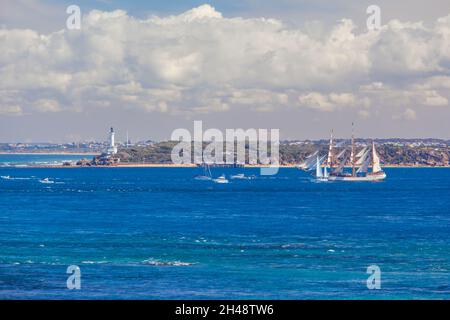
{"points": [[296, 152]]}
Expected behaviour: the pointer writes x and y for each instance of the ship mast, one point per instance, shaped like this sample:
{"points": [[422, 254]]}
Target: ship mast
{"points": [[330, 160], [373, 158], [353, 153]]}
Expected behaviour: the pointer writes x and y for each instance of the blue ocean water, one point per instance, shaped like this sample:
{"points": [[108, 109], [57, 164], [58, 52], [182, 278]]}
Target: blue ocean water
{"points": [[156, 233]]}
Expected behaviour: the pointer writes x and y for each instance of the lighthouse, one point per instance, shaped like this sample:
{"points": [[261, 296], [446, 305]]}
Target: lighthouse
{"points": [[112, 149]]}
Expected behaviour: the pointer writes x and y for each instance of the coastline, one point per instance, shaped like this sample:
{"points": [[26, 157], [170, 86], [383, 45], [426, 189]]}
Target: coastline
{"points": [[165, 165], [50, 153]]}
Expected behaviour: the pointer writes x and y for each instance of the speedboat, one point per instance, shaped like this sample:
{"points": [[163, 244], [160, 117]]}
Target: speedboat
{"points": [[241, 176], [221, 179], [6, 177], [46, 180]]}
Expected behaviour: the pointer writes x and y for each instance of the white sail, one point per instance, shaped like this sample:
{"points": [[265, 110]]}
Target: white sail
{"points": [[361, 153], [341, 166], [318, 168], [312, 155], [376, 160], [365, 165], [207, 170], [310, 160], [362, 158], [310, 164], [341, 153]]}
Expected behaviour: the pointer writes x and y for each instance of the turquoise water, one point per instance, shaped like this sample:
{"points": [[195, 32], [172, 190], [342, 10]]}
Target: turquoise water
{"points": [[38, 159], [156, 233]]}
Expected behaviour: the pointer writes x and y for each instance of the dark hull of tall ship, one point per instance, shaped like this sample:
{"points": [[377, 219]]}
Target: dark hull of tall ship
{"points": [[381, 175]]}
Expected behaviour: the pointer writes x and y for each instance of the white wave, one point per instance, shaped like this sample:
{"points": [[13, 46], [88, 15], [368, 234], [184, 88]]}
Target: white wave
{"points": [[159, 263], [93, 262]]}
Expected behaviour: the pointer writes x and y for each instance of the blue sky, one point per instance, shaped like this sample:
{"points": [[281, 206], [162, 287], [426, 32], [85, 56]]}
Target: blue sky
{"points": [[295, 12]]}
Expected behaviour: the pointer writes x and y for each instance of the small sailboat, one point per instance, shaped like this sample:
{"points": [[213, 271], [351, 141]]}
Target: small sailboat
{"points": [[206, 176], [321, 175], [221, 179]]}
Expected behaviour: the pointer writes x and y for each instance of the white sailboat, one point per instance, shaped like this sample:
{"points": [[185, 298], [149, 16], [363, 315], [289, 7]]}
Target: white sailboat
{"points": [[331, 167], [206, 176]]}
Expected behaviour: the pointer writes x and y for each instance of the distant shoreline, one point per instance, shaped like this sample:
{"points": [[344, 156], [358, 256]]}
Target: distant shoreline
{"points": [[51, 153], [164, 165]]}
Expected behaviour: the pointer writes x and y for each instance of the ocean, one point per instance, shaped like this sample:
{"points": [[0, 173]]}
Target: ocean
{"points": [[157, 233]]}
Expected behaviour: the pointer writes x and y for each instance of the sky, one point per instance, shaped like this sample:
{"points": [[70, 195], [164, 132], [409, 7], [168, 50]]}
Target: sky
{"points": [[149, 67]]}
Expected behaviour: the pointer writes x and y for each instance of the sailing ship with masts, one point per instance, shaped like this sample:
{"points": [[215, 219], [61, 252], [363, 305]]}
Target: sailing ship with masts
{"points": [[364, 165]]}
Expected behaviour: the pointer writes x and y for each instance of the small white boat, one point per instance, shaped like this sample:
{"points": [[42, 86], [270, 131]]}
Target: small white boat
{"points": [[6, 177], [221, 179], [241, 176], [46, 180]]}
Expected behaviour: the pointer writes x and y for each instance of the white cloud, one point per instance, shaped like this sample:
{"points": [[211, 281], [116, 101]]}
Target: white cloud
{"points": [[408, 114], [47, 105], [434, 99], [332, 101], [200, 61], [10, 110]]}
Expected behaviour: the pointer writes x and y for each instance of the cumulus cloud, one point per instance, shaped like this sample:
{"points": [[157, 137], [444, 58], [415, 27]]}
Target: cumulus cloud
{"points": [[47, 105], [201, 61], [332, 101], [408, 114], [10, 110]]}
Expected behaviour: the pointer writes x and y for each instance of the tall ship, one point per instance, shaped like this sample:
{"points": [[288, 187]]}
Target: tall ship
{"points": [[363, 165]]}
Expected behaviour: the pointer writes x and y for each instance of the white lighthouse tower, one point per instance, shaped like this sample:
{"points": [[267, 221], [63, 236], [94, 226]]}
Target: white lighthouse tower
{"points": [[112, 149]]}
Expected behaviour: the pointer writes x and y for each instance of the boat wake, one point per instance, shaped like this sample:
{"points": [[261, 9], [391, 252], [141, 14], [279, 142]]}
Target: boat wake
{"points": [[14, 178]]}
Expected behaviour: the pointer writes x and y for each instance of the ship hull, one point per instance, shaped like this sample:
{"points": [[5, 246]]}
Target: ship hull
{"points": [[370, 177]]}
